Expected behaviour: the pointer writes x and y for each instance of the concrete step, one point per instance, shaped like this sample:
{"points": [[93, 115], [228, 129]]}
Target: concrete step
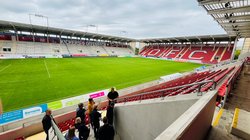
{"points": [[220, 129], [241, 124]]}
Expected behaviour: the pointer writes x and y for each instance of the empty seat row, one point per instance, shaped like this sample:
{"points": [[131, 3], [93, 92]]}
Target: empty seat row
{"points": [[171, 88]]}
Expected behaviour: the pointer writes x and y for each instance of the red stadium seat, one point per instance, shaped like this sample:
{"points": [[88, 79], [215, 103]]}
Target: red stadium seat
{"points": [[20, 138], [209, 53]]}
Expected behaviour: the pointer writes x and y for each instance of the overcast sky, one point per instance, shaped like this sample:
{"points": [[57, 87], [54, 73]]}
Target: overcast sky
{"points": [[130, 18]]}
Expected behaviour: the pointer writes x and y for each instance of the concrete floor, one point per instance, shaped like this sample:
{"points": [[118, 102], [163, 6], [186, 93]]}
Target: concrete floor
{"points": [[241, 94], [222, 130], [240, 98]]}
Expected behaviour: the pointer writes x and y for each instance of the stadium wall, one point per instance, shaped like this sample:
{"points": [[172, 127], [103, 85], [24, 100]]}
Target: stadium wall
{"points": [[142, 46], [246, 46], [195, 122], [133, 46], [245, 52], [148, 118]]}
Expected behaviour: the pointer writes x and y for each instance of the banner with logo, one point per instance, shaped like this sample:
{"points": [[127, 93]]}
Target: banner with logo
{"points": [[77, 99], [22, 113], [39, 109]]}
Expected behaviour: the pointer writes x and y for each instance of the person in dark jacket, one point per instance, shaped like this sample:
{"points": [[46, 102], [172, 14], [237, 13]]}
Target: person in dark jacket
{"points": [[47, 122], [80, 112], [106, 132], [82, 129], [95, 119], [112, 95], [70, 135], [109, 114]]}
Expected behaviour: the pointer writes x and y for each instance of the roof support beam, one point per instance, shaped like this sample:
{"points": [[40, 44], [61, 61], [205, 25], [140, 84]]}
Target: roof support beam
{"points": [[236, 23], [207, 2], [199, 38], [236, 27], [242, 17], [230, 10]]}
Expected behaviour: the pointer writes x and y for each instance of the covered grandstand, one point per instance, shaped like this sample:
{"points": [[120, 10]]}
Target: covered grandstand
{"points": [[186, 107], [209, 49], [18, 39]]}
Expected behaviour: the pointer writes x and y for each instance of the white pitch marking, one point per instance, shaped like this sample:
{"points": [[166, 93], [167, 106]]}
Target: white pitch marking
{"points": [[45, 64], [5, 68]]}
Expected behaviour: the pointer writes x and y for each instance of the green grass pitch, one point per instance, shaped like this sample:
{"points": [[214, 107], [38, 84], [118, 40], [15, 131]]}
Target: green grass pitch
{"points": [[28, 82]]}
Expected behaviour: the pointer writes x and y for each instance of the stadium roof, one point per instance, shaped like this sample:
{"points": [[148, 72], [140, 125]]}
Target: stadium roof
{"points": [[232, 15], [8, 25], [205, 38]]}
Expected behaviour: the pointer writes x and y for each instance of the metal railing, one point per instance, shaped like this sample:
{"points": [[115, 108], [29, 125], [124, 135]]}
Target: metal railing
{"points": [[55, 133], [163, 91]]}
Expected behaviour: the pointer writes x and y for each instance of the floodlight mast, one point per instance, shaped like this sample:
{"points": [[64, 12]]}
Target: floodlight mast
{"points": [[41, 16], [33, 38], [123, 33], [92, 25]]}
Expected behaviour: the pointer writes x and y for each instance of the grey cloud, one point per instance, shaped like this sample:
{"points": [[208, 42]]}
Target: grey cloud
{"points": [[140, 18]]}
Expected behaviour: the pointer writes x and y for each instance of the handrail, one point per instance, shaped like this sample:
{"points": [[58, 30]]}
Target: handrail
{"points": [[55, 133], [239, 68], [166, 89]]}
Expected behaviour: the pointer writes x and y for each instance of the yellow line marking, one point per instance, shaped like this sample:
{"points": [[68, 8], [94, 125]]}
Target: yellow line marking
{"points": [[216, 121], [236, 116]]}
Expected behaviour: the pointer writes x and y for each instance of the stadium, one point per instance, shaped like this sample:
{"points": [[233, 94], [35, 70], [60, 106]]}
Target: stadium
{"points": [[179, 87]]}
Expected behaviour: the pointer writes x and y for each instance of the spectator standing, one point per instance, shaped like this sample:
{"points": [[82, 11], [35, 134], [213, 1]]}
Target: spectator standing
{"points": [[95, 120], [82, 129], [70, 135], [91, 105], [112, 95], [109, 114], [47, 122], [106, 132], [80, 112]]}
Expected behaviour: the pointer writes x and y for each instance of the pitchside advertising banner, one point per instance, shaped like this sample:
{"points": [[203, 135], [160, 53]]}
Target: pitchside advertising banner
{"points": [[75, 100], [39, 109], [22, 113]]}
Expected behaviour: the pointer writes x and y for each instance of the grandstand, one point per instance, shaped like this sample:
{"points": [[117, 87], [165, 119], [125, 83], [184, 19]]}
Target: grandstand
{"points": [[190, 106], [58, 43], [200, 49]]}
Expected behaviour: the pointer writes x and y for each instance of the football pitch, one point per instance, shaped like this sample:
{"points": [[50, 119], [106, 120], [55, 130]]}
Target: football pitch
{"points": [[27, 82]]}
